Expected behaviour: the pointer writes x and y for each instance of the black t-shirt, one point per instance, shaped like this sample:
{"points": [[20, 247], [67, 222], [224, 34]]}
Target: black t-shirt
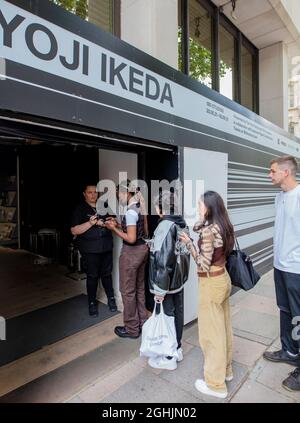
{"points": [[95, 239]]}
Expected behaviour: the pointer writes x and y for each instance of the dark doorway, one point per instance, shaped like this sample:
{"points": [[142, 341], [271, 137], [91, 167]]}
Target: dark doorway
{"points": [[51, 184]]}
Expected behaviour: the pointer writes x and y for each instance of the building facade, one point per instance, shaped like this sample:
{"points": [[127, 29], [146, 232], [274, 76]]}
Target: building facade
{"points": [[204, 84]]}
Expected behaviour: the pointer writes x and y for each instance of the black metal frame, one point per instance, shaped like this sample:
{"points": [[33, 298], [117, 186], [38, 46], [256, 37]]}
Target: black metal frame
{"points": [[185, 45], [117, 18], [218, 18]]}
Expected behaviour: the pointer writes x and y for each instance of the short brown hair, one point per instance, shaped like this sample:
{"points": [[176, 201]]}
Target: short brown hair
{"points": [[290, 161]]}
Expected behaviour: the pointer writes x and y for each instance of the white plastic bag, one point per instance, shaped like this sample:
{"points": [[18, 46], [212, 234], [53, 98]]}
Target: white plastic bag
{"points": [[159, 335]]}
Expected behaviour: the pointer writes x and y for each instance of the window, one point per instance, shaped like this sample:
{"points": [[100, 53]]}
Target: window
{"points": [[200, 43], [104, 13], [292, 101], [101, 14], [291, 128], [246, 78], [227, 65], [180, 37], [213, 51], [294, 90]]}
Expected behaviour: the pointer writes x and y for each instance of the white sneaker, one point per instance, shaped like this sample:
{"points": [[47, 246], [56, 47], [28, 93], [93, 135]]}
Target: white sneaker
{"points": [[162, 362], [180, 354], [229, 378], [201, 386]]}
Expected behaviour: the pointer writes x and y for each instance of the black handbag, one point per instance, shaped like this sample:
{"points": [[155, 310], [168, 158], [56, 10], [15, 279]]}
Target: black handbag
{"points": [[241, 270]]}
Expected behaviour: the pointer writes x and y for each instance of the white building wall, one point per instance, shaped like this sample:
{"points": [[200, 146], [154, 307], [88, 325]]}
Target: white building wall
{"points": [[292, 7], [273, 84], [151, 26]]}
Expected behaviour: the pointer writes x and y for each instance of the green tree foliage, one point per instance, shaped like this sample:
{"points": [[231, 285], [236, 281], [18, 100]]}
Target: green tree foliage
{"points": [[200, 60], [78, 7]]}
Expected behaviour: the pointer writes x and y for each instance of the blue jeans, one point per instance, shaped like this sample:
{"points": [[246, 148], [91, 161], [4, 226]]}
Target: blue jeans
{"points": [[287, 287]]}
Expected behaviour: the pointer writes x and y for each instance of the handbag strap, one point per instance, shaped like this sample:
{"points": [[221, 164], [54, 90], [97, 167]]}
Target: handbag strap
{"points": [[237, 245]]}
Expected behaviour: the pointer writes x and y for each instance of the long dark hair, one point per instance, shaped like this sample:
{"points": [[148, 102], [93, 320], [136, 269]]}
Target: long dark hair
{"points": [[217, 213]]}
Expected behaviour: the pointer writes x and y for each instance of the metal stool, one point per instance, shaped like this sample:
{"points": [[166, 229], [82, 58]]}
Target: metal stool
{"points": [[46, 242]]}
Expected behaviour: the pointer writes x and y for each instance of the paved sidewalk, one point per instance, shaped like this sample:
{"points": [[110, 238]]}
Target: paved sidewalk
{"points": [[255, 320], [113, 372]]}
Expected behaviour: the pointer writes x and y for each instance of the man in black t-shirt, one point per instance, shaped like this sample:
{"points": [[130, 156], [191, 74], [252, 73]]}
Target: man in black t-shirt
{"points": [[95, 244]]}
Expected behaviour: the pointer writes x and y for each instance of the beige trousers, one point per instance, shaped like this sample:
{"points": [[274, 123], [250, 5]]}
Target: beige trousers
{"points": [[215, 331]]}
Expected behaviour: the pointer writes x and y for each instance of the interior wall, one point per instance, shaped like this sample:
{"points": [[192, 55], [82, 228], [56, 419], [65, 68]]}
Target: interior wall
{"points": [[211, 168], [111, 163]]}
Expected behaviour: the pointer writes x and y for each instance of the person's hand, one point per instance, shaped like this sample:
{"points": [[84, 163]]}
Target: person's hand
{"points": [[100, 222], [93, 220], [111, 224], [184, 238], [111, 219], [158, 298]]}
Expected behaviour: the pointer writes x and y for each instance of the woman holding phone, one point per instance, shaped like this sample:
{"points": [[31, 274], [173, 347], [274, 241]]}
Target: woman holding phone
{"points": [[134, 255], [216, 241]]}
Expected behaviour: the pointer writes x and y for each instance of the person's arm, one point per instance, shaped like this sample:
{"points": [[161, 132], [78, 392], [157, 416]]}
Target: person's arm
{"points": [[204, 257], [114, 220], [131, 221], [129, 237], [83, 227]]}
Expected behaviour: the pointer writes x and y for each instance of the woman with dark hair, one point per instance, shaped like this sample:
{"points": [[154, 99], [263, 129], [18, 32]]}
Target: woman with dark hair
{"points": [[216, 241], [133, 259]]}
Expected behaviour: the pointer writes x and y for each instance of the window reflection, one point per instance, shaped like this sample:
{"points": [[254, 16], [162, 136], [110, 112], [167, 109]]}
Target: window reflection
{"points": [[227, 63], [101, 14], [98, 12], [294, 90], [246, 78], [200, 36]]}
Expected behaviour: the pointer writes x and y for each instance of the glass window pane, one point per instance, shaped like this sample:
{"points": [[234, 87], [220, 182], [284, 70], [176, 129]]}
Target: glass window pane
{"points": [[227, 63], [200, 24], [294, 89], [99, 12], [247, 78], [78, 7]]}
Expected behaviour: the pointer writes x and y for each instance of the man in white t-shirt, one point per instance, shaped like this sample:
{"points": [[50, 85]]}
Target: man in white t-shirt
{"points": [[287, 265]]}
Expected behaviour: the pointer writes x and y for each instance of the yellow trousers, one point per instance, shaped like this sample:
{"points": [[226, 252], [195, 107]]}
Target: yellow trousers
{"points": [[215, 330]]}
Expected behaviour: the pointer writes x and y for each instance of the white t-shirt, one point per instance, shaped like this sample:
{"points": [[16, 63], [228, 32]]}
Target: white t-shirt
{"points": [[287, 231], [131, 217]]}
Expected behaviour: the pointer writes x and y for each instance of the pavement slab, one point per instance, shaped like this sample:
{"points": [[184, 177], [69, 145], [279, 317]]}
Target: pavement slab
{"points": [[254, 392], [259, 303], [256, 326], [149, 388], [191, 368], [272, 376], [247, 352], [264, 289]]}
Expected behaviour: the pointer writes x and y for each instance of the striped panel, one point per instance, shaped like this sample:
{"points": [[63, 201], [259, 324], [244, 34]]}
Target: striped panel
{"points": [[251, 209]]}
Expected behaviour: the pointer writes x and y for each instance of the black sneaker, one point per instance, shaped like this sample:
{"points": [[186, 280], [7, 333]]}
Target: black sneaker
{"points": [[292, 382], [122, 332], [111, 302], [281, 357], [93, 309]]}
